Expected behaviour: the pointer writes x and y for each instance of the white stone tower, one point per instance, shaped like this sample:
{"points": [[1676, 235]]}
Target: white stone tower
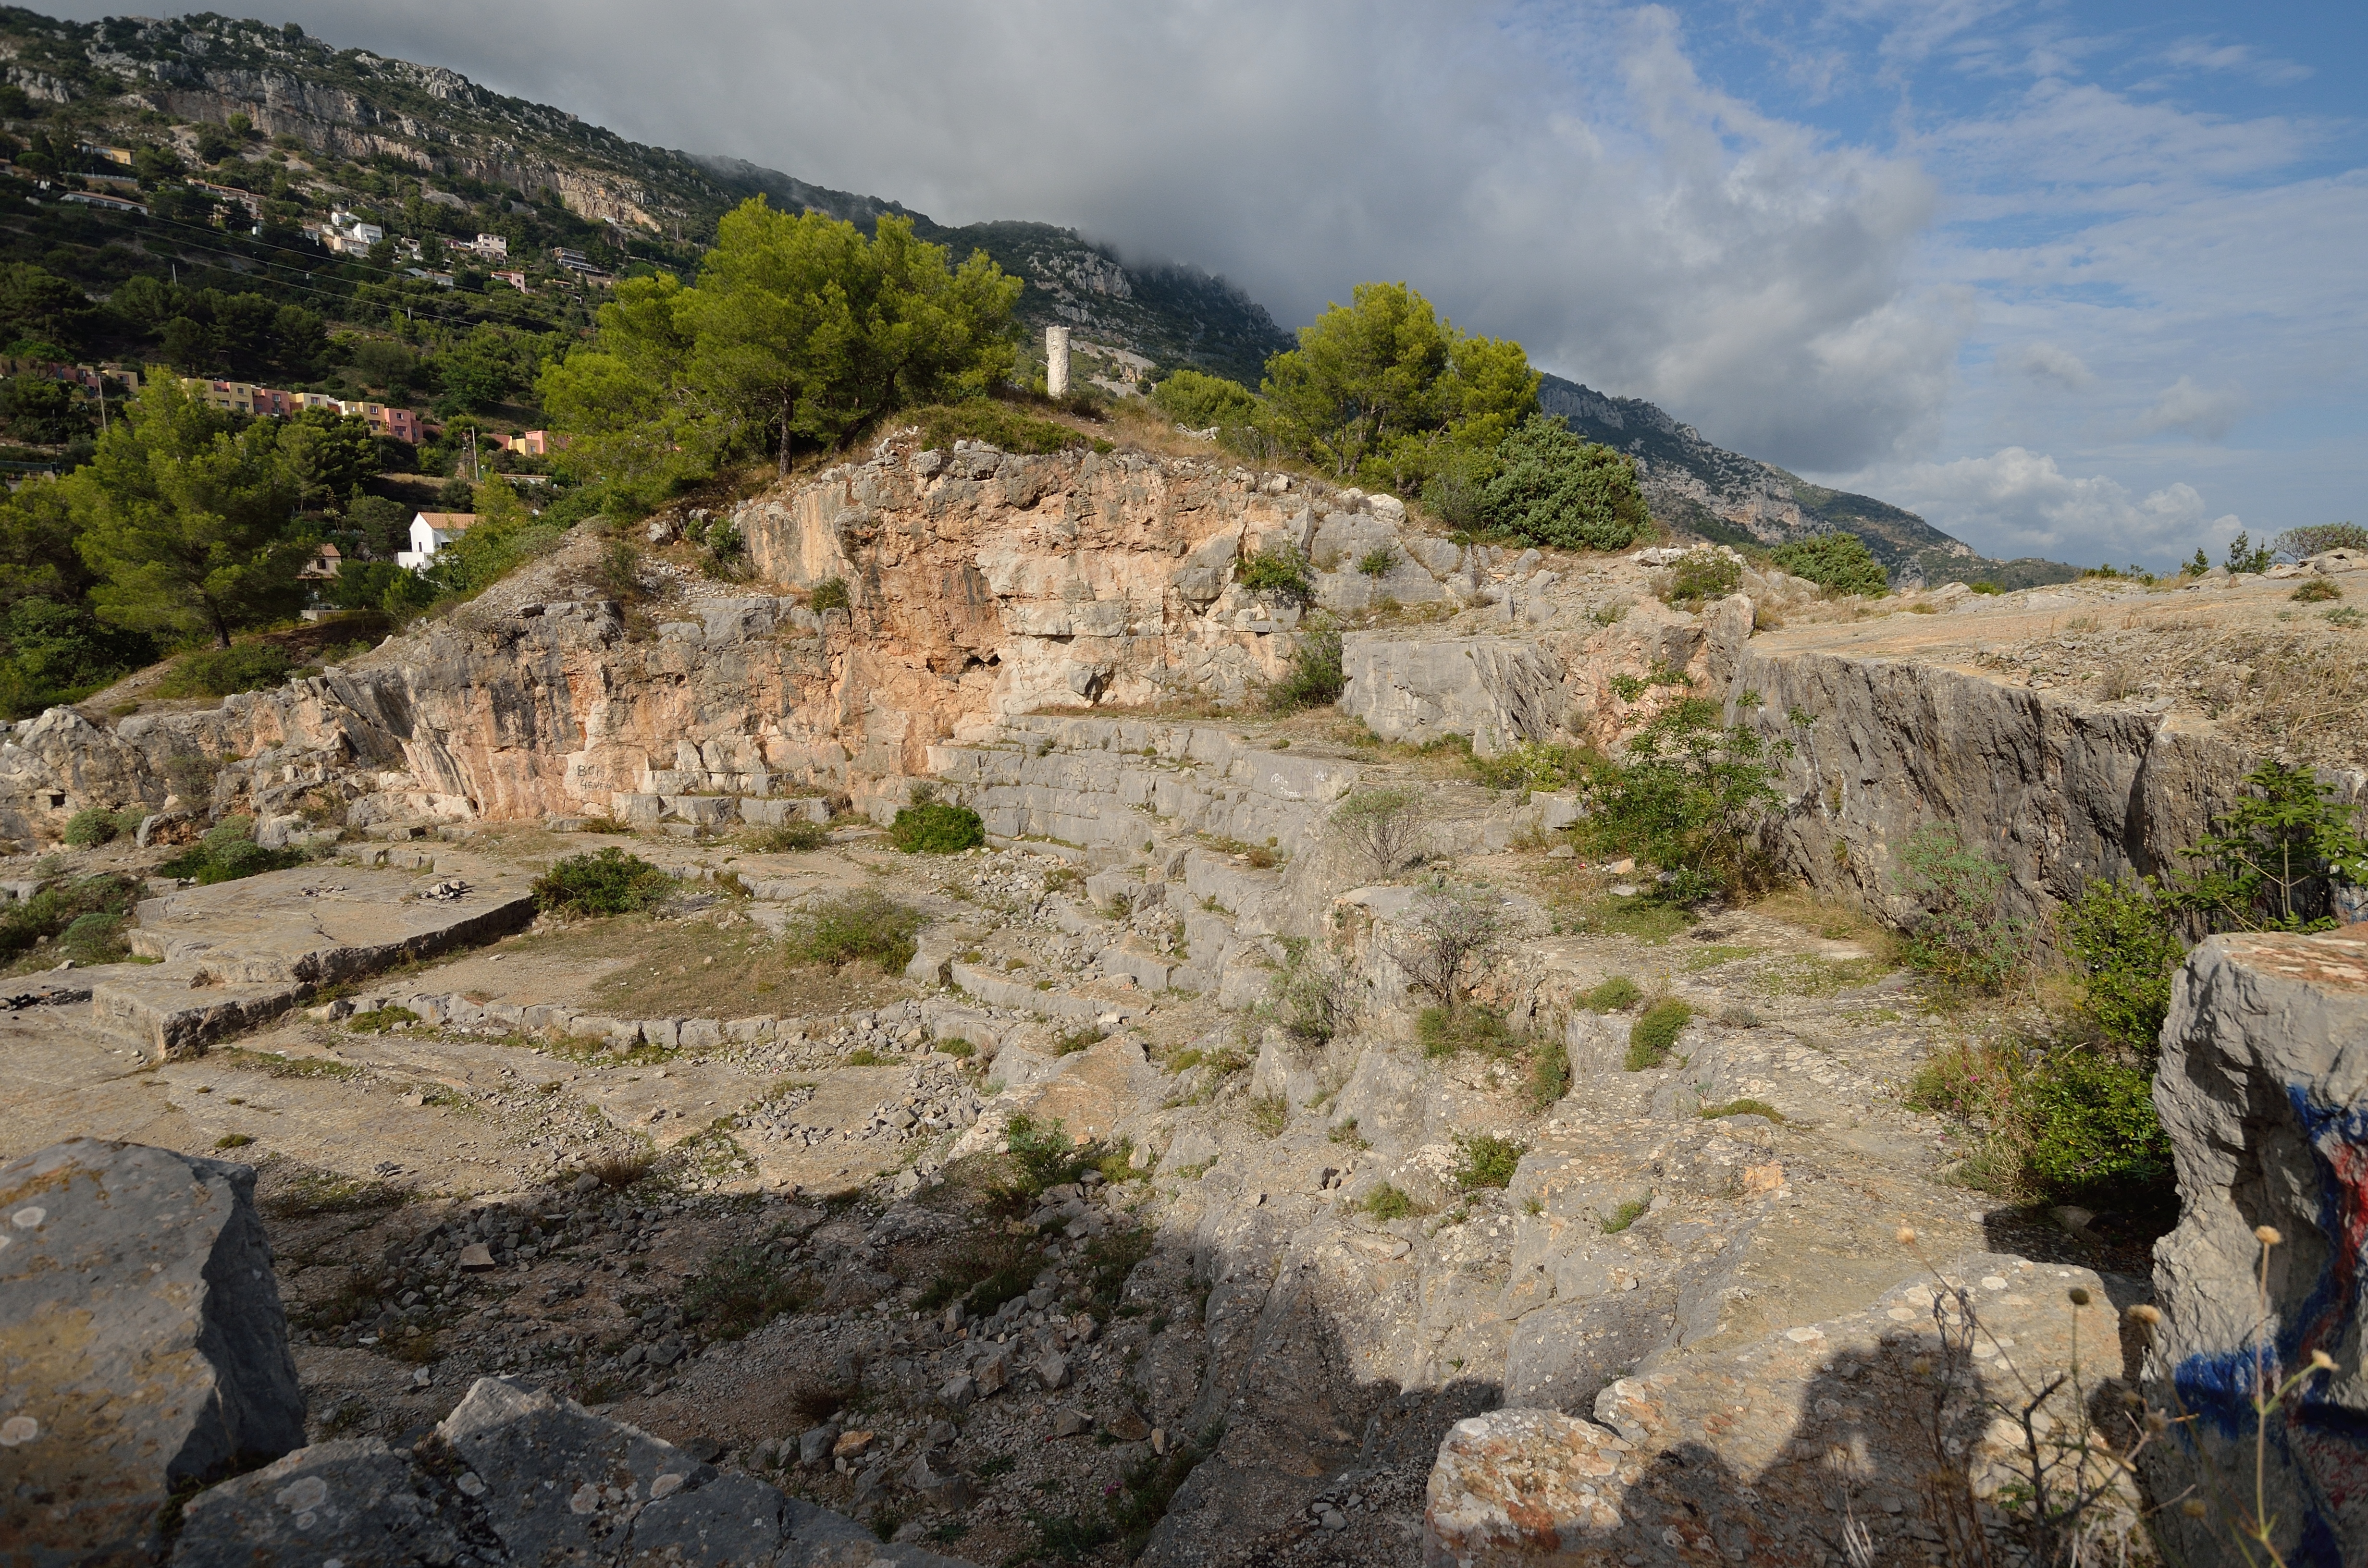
{"points": [[1056, 360]]}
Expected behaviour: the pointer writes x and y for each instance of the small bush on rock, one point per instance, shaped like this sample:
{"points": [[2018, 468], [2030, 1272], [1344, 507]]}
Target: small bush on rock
{"points": [[1655, 1031], [1702, 574], [1471, 1027], [90, 827], [1487, 1161], [1552, 488], [789, 837], [2121, 936], [998, 425], [1197, 401], [1379, 828], [828, 594], [1386, 1203], [1691, 797], [860, 925], [1279, 570], [1962, 937], [2091, 1130], [1616, 994], [1314, 678], [936, 827], [607, 881], [227, 853], [1837, 561], [2318, 590], [85, 917]]}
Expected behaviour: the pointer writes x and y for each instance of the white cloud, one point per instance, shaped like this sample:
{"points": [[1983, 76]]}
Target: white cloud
{"points": [[2196, 411], [2018, 502], [1564, 178], [2201, 55], [2051, 362]]}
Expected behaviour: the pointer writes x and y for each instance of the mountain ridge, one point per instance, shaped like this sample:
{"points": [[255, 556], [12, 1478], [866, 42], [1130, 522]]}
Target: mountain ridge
{"points": [[413, 120]]}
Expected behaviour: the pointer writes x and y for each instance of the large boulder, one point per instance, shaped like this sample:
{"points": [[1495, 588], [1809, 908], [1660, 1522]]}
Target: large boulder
{"points": [[2263, 1089], [515, 1475], [142, 1347]]}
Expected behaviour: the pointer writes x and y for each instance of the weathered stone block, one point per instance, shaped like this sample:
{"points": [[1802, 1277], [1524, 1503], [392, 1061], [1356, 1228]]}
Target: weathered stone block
{"points": [[142, 1346], [2263, 1089]]}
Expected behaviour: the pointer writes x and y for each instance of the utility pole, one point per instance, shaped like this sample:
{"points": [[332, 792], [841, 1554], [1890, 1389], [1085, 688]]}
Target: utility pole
{"points": [[102, 401], [476, 468]]}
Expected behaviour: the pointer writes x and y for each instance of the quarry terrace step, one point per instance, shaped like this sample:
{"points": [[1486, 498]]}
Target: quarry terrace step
{"points": [[231, 956]]}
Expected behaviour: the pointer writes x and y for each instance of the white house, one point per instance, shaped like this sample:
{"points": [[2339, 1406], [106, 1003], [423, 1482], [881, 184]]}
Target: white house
{"points": [[431, 531]]}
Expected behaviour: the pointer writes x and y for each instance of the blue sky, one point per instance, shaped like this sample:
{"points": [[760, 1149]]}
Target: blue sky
{"points": [[2070, 278], [2152, 214]]}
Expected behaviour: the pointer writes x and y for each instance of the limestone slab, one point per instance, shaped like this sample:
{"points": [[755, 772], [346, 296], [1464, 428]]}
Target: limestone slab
{"points": [[143, 1345]]}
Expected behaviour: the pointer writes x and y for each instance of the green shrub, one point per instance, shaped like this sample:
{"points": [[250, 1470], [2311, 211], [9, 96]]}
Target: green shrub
{"points": [[1702, 574], [1314, 678], [1655, 1031], [1627, 1214], [1046, 1153], [90, 827], [998, 425], [1962, 936], [2093, 1137], [1279, 570], [1469, 1028], [1552, 488], [1311, 998], [57, 908], [220, 671], [2270, 862], [1387, 1202], [1197, 401], [1985, 589], [607, 881], [1549, 1072], [1837, 561], [1613, 996], [1691, 797], [2121, 936], [789, 837], [2318, 590], [739, 1291], [828, 594], [96, 937], [227, 853], [935, 827], [1378, 564], [379, 1020], [1487, 1160], [1536, 764], [863, 924]]}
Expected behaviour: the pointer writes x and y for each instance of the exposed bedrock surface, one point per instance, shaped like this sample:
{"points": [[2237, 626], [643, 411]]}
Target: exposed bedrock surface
{"points": [[514, 1475], [2264, 1091]]}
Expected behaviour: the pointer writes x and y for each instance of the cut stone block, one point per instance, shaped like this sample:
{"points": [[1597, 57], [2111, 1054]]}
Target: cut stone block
{"points": [[143, 1345]]}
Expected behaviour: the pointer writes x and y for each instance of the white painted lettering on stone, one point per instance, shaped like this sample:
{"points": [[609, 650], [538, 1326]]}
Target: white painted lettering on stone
{"points": [[26, 1218]]}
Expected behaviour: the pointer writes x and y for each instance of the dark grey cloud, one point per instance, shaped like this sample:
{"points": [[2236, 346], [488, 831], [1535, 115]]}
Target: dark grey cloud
{"points": [[1563, 179]]}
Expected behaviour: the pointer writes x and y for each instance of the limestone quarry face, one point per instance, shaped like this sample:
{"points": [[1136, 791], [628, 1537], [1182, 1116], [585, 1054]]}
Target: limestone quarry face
{"points": [[513, 1166]]}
